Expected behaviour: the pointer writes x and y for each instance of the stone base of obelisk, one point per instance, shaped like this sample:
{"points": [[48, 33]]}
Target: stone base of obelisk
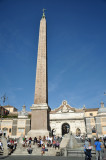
{"points": [[39, 120], [37, 133]]}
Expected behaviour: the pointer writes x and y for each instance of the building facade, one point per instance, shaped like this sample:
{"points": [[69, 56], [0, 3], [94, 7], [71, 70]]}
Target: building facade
{"points": [[67, 119], [64, 119], [11, 109]]}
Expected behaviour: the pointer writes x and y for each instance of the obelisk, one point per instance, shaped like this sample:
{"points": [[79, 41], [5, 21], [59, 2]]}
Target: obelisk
{"points": [[40, 109]]}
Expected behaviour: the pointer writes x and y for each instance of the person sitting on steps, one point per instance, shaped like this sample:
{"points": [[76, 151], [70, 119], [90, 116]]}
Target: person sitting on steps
{"points": [[29, 149], [43, 149], [57, 145]]}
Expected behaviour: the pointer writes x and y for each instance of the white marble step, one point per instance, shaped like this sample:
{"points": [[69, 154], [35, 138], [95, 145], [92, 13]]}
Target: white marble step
{"points": [[36, 151]]}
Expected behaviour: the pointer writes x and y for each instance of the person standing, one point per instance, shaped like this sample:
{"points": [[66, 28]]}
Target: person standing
{"points": [[15, 144], [98, 147], [102, 148], [87, 149], [86, 144]]}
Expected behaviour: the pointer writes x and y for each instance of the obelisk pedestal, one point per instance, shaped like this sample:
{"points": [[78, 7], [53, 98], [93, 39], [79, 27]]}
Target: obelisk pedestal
{"points": [[40, 109], [39, 120]]}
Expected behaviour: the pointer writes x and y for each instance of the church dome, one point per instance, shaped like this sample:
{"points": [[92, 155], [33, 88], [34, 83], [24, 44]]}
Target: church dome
{"points": [[102, 110]]}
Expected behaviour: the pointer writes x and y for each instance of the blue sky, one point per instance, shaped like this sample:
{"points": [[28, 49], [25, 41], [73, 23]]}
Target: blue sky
{"points": [[76, 45]]}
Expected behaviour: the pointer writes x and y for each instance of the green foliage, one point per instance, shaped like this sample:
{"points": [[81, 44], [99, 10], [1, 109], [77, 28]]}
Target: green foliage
{"points": [[10, 116]]}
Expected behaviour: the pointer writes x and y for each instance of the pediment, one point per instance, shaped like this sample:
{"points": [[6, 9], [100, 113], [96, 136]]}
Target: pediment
{"points": [[64, 108]]}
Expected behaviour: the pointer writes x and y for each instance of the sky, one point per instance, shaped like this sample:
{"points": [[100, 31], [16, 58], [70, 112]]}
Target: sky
{"points": [[76, 48]]}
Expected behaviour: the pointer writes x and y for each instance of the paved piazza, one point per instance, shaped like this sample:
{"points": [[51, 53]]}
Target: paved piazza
{"points": [[42, 158]]}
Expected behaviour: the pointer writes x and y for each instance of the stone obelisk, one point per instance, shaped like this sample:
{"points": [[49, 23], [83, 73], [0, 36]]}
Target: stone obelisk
{"points": [[40, 109]]}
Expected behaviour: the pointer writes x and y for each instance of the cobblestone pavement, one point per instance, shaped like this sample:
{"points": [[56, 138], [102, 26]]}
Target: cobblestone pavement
{"points": [[30, 157]]}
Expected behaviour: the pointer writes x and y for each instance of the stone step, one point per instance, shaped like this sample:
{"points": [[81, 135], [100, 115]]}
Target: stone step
{"points": [[51, 151], [75, 152], [20, 150], [36, 151], [1, 152]]}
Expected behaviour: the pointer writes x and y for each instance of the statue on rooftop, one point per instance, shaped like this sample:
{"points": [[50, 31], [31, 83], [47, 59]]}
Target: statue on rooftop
{"points": [[23, 113]]}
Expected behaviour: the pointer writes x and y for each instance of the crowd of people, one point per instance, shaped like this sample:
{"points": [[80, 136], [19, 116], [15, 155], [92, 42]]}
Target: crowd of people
{"points": [[41, 142], [45, 142], [11, 145], [100, 148]]}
